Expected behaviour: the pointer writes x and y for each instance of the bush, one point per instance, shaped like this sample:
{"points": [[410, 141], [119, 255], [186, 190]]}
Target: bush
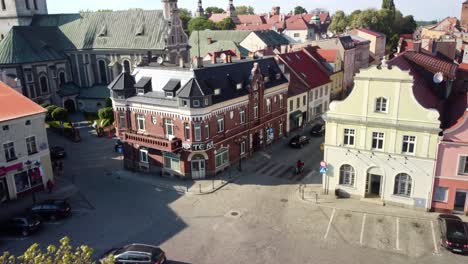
{"points": [[60, 114], [105, 122], [44, 105], [108, 102], [106, 113], [50, 109]]}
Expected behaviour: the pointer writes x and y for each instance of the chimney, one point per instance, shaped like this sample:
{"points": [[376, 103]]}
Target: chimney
{"points": [[209, 40], [229, 58], [197, 62], [417, 46], [213, 58]]}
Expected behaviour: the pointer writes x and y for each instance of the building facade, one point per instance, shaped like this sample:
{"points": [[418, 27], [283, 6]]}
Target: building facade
{"points": [[19, 13], [377, 41], [25, 164], [381, 142], [195, 123]]}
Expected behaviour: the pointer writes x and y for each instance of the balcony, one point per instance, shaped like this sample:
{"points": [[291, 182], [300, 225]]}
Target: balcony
{"points": [[153, 142]]}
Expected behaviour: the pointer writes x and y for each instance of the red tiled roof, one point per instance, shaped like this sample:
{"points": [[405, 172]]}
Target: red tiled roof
{"points": [[297, 24], [370, 32], [250, 19], [15, 105], [432, 63], [306, 68], [254, 27], [329, 55], [217, 17], [296, 86], [463, 66]]}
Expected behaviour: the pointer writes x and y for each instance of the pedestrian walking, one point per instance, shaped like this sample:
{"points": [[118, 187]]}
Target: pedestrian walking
{"points": [[50, 185]]}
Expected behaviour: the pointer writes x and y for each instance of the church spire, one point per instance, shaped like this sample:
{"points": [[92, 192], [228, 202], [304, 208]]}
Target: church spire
{"points": [[200, 11], [232, 13]]}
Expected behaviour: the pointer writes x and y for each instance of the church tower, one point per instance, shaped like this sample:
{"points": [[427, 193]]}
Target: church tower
{"points": [[232, 13], [176, 39], [464, 16], [200, 12], [19, 13]]}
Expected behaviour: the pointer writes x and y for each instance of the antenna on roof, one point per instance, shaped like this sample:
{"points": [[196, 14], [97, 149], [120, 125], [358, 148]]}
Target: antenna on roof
{"points": [[438, 78]]}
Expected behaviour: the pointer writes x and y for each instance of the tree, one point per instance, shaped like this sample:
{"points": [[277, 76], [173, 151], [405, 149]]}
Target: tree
{"points": [[50, 109], [245, 10], [299, 10], [339, 22], [388, 4], [62, 254], [185, 15], [213, 10], [200, 23], [60, 114], [108, 102], [226, 24], [408, 25], [106, 113]]}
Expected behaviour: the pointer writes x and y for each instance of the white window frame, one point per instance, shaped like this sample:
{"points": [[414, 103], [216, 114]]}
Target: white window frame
{"points": [[224, 155], [169, 123], [220, 125], [348, 134], [381, 105], [196, 103], [407, 188], [10, 151], [141, 117], [268, 103], [280, 132], [281, 99], [197, 132], [187, 131], [379, 138], [437, 194], [242, 117], [31, 148], [408, 140], [122, 120], [217, 91], [239, 86], [242, 148], [462, 165], [207, 130], [348, 176], [144, 158], [172, 161]]}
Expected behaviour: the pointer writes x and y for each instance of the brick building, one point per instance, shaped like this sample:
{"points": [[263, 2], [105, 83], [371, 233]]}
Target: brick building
{"points": [[195, 123]]}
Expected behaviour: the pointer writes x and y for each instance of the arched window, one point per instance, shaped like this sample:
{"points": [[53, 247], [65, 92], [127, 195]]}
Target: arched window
{"points": [[62, 79], [126, 64], [44, 84], [381, 105], [103, 71], [347, 175], [402, 185]]}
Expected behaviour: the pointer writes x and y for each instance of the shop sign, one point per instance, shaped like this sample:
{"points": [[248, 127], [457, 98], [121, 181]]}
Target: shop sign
{"points": [[198, 146]]}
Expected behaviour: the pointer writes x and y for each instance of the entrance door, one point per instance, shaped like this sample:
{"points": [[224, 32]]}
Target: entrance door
{"points": [[198, 169], [373, 185], [460, 201], [3, 190]]}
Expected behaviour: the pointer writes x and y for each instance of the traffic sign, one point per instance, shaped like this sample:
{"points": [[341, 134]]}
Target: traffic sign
{"points": [[323, 170], [323, 164]]}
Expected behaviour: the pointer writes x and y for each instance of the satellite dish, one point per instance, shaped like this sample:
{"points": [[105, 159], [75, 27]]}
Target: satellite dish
{"points": [[160, 60], [438, 78], [222, 56]]}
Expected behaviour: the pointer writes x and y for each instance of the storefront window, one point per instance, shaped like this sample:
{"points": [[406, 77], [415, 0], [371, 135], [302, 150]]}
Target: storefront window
{"points": [[222, 157], [27, 179], [172, 162]]}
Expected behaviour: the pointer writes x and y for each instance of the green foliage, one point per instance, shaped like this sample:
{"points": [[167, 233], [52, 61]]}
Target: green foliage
{"points": [[64, 253], [226, 24], [426, 23], [185, 15], [106, 113], [108, 102], [200, 23], [299, 10], [50, 109], [44, 105], [213, 10], [60, 114], [245, 10], [388, 4], [339, 22], [90, 116]]}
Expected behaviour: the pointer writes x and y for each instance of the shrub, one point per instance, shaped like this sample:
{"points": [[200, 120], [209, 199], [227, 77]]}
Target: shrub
{"points": [[106, 113], [60, 114], [50, 109]]}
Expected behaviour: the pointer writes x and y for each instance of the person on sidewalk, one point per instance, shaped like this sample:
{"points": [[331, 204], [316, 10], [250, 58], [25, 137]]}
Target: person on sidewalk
{"points": [[50, 185]]}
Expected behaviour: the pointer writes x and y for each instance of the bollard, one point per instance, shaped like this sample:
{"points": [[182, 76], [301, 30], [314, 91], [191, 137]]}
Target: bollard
{"points": [[186, 187], [200, 187], [212, 183], [302, 193]]}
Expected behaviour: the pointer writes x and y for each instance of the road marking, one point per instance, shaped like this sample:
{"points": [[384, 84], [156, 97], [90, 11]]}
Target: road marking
{"points": [[398, 233], [361, 239], [436, 248], [329, 224]]}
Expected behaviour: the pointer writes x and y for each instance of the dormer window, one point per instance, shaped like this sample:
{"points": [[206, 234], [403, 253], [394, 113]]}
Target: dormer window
{"points": [[140, 91], [169, 94], [217, 91], [140, 30], [239, 86], [196, 103], [103, 31], [207, 101]]}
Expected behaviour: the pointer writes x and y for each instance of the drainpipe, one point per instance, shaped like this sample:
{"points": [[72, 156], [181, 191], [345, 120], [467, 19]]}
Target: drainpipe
{"points": [[431, 192]]}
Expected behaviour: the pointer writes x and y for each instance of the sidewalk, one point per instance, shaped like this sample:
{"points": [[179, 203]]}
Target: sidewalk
{"points": [[196, 187], [313, 194], [63, 190]]}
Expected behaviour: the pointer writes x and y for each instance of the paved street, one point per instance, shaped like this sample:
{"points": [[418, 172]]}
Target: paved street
{"points": [[258, 219]]}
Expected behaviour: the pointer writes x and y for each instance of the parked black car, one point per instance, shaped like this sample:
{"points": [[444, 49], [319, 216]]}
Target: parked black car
{"points": [[52, 209], [21, 225], [299, 141], [57, 153], [137, 253], [453, 233], [317, 130]]}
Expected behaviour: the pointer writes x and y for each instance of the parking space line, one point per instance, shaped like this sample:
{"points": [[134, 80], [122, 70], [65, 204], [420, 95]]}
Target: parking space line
{"points": [[436, 248], [329, 224], [397, 234], [361, 239]]}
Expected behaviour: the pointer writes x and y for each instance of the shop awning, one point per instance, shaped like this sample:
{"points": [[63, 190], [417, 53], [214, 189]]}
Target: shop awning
{"points": [[296, 114]]}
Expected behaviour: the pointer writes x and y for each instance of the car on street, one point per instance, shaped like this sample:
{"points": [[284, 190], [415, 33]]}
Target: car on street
{"points": [[453, 233], [52, 209], [318, 130], [137, 253], [57, 152], [21, 225], [298, 141]]}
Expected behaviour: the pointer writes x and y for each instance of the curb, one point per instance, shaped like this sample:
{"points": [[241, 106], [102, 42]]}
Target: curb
{"points": [[233, 179]]}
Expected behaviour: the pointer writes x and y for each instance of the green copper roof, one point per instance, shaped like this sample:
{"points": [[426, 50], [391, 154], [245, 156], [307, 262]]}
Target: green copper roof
{"points": [[221, 40], [95, 92]]}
